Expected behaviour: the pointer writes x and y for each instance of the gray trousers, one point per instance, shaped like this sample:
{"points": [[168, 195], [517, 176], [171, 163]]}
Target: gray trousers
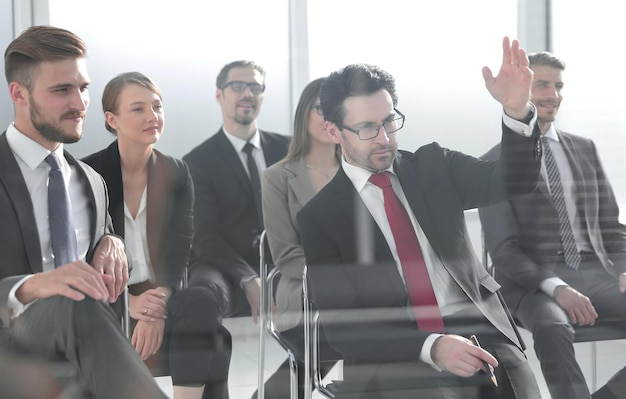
{"points": [[88, 336]]}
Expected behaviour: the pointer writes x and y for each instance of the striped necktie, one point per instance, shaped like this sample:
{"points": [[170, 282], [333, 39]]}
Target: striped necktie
{"points": [[570, 251]]}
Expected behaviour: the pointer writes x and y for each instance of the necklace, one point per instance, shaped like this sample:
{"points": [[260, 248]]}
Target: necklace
{"points": [[328, 175]]}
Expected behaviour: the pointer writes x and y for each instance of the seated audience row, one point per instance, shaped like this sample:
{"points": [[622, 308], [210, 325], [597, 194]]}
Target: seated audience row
{"points": [[401, 294]]}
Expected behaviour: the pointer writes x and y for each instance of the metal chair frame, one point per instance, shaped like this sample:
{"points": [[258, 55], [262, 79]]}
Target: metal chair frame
{"points": [[266, 324], [312, 374]]}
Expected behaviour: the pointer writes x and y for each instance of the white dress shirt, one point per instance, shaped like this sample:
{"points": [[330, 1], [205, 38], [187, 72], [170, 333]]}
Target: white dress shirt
{"points": [[136, 239], [30, 157]]}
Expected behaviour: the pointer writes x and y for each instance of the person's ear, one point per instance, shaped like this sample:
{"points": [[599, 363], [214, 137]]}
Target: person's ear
{"points": [[111, 119], [333, 132], [19, 94]]}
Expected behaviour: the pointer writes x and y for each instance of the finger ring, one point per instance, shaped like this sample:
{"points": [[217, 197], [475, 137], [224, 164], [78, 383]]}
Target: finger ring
{"points": [[145, 311]]}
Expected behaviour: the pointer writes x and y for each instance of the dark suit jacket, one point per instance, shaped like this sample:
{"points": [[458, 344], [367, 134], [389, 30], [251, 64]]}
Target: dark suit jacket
{"points": [[363, 304], [20, 252], [225, 218], [169, 207], [522, 235]]}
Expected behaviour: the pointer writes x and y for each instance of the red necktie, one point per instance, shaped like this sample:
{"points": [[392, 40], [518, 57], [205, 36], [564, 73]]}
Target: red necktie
{"points": [[414, 269]]}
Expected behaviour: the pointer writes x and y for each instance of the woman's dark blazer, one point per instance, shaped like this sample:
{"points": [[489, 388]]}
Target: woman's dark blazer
{"points": [[169, 208]]}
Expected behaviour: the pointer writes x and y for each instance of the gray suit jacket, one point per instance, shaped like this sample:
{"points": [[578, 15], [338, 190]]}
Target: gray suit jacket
{"points": [[20, 252], [287, 187], [522, 234]]}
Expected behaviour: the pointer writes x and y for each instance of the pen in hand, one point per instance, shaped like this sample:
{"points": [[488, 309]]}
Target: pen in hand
{"points": [[488, 366]]}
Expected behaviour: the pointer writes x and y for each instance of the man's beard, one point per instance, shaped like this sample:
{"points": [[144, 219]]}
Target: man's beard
{"points": [[49, 131], [245, 120]]}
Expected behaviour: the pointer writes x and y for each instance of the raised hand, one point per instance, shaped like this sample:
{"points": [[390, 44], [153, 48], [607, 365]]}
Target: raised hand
{"points": [[511, 87]]}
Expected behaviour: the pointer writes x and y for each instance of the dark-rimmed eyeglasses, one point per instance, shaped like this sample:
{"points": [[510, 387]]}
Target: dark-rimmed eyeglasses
{"points": [[370, 131], [318, 109], [239, 86]]}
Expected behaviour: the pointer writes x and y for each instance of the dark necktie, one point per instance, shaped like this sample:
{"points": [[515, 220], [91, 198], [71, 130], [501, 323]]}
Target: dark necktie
{"points": [[62, 233], [255, 181], [570, 251], [416, 276]]}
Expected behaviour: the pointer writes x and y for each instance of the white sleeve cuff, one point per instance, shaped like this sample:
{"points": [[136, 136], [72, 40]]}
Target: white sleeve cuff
{"points": [[549, 285], [16, 307], [426, 348], [520, 127]]}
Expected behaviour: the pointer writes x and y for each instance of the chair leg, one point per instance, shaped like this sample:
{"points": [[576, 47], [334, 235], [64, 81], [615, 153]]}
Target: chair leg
{"points": [[594, 368], [293, 375]]}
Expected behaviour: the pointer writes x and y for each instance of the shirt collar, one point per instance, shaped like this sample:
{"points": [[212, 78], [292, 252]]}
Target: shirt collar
{"points": [[551, 133], [359, 176], [31, 152], [238, 143]]}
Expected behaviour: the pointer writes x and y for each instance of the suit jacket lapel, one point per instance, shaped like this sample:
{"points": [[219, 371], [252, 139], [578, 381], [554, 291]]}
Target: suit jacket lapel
{"points": [[577, 173], [366, 240], [299, 181], [415, 195], [270, 152], [157, 210], [97, 201], [11, 177], [112, 173]]}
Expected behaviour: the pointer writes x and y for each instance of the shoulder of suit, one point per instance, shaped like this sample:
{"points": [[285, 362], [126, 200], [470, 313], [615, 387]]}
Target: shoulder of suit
{"points": [[277, 136], [492, 154], [199, 152], [574, 137]]}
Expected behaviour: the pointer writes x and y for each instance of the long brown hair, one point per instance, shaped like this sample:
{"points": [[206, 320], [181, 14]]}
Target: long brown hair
{"points": [[301, 140]]}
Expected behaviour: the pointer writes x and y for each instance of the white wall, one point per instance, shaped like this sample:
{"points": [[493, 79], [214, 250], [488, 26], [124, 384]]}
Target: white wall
{"points": [[434, 49], [6, 35], [182, 45], [590, 40]]}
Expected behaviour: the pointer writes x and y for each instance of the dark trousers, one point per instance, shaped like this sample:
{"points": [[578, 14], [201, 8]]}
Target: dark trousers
{"points": [[87, 334], [553, 335], [196, 349], [419, 380]]}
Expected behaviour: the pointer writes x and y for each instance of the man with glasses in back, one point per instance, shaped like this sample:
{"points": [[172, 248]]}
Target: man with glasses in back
{"points": [[390, 265], [226, 171]]}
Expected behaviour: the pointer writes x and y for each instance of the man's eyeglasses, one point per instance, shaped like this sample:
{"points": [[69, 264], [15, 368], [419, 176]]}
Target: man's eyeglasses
{"points": [[318, 109], [239, 86], [371, 131]]}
